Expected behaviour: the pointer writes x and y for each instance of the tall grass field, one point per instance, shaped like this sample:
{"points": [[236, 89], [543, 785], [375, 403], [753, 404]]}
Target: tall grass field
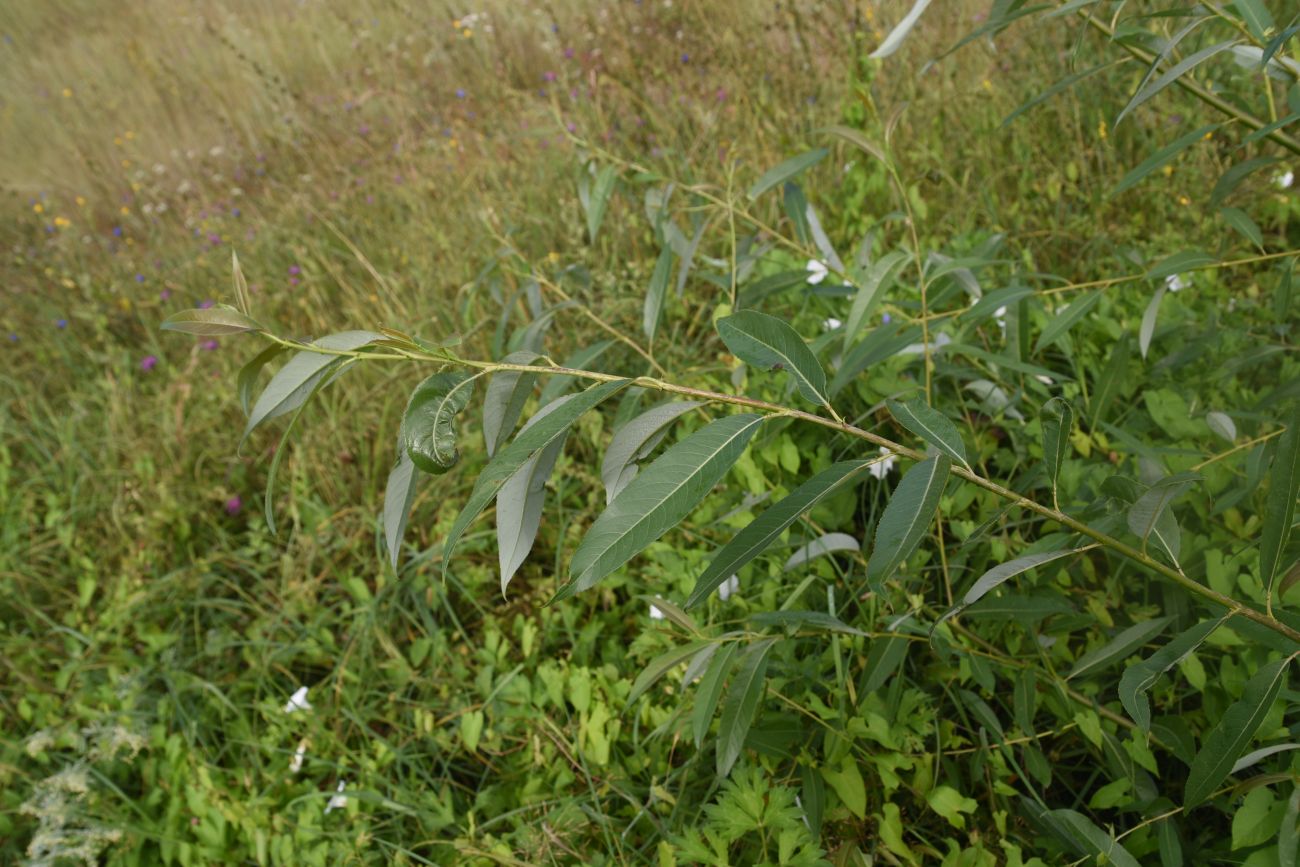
{"points": [[649, 432]]}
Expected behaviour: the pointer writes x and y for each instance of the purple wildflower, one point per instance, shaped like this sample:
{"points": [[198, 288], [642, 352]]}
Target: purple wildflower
{"points": [[294, 270], [117, 231], [206, 303], [139, 278], [233, 505], [148, 363], [885, 318], [460, 93], [164, 295], [60, 323], [548, 76], [209, 345]]}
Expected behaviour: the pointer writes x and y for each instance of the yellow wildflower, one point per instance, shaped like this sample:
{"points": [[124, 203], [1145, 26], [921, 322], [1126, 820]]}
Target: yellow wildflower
{"points": [[126, 212], [38, 208], [1184, 201], [62, 222], [1102, 131], [67, 93], [81, 201]]}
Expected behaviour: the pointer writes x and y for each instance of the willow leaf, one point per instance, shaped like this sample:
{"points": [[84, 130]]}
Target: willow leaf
{"points": [[932, 426], [906, 518], [770, 344]]}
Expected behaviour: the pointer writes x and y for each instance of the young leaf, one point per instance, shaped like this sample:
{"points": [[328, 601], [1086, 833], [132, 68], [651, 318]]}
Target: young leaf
{"points": [[399, 493], [429, 423], [1256, 15], [598, 199], [634, 440], [1120, 647], [785, 171], [906, 518], [1175, 72], [1221, 424], [654, 296], [1162, 157], [995, 577], [761, 532], [295, 382], [769, 343], [1243, 225], [1148, 327], [1088, 839], [1283, 488], [932, 426], [519, 504], [1065, 319], [512, 456], [710, 691], [746, 691], [900, 31], [658, 499], [1146, 516], [661, 665], [211, 322], [1057, 419], [870, 291], [1141, 676], [507, 393], [1228, 739]]}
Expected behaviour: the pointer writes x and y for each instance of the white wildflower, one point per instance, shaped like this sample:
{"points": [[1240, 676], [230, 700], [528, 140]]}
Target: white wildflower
{"points": [[339, 801], [831, 323], [1000, 316], [883, 464], [655, 613], [726, 588], [298, 701], [1045, 380], [817, 271], [295, 764], [1284, 180], [1175, 282]]}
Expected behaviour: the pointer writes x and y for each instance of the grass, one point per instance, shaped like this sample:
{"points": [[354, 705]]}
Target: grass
{"points": [[366, 160]]}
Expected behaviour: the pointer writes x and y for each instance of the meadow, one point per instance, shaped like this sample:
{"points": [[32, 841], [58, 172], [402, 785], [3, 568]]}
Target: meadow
{"points": [[1040, 253]]}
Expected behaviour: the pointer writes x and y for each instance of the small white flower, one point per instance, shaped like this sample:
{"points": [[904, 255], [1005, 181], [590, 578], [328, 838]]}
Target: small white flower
{"points": [[298, 701], [1045, 380], [831, 324], [816, 271], [1284, 180], [884, 464], [1175, 282], [1000, 316], [655, 613], [726, 588], [339, 801], [295, 764]]}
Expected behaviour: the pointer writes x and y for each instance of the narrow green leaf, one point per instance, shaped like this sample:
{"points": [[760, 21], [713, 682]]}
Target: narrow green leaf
{"points": [[785, 171], [743, 697], [793, 621], [657, 291], [998, 575], [512, 456], [661, 665], [900, 31], [247, 379], [268, 504], [1148, 327], [1256, 756], [907, 517], [1232, 178], [634, 441], [769, 343], [297, 379], [658, 499], [239, 285], [429, 423], [1088, 839], [993, 301], [761, 532], [1256, 15], [1065, 319], [1185, 260], [1110, 382], [1241, 222], [827, 543], [932, 426], [598, 199], [1175, 72], [519, 504], [1120, 647], [857, 139], [1228, 739], [1057, 419], [1288, 838], [211, 322], [1145, 517], [507, 393], [1283, 488], [710, 691], [1140, 677], [399, 493], [1163, 157]]}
